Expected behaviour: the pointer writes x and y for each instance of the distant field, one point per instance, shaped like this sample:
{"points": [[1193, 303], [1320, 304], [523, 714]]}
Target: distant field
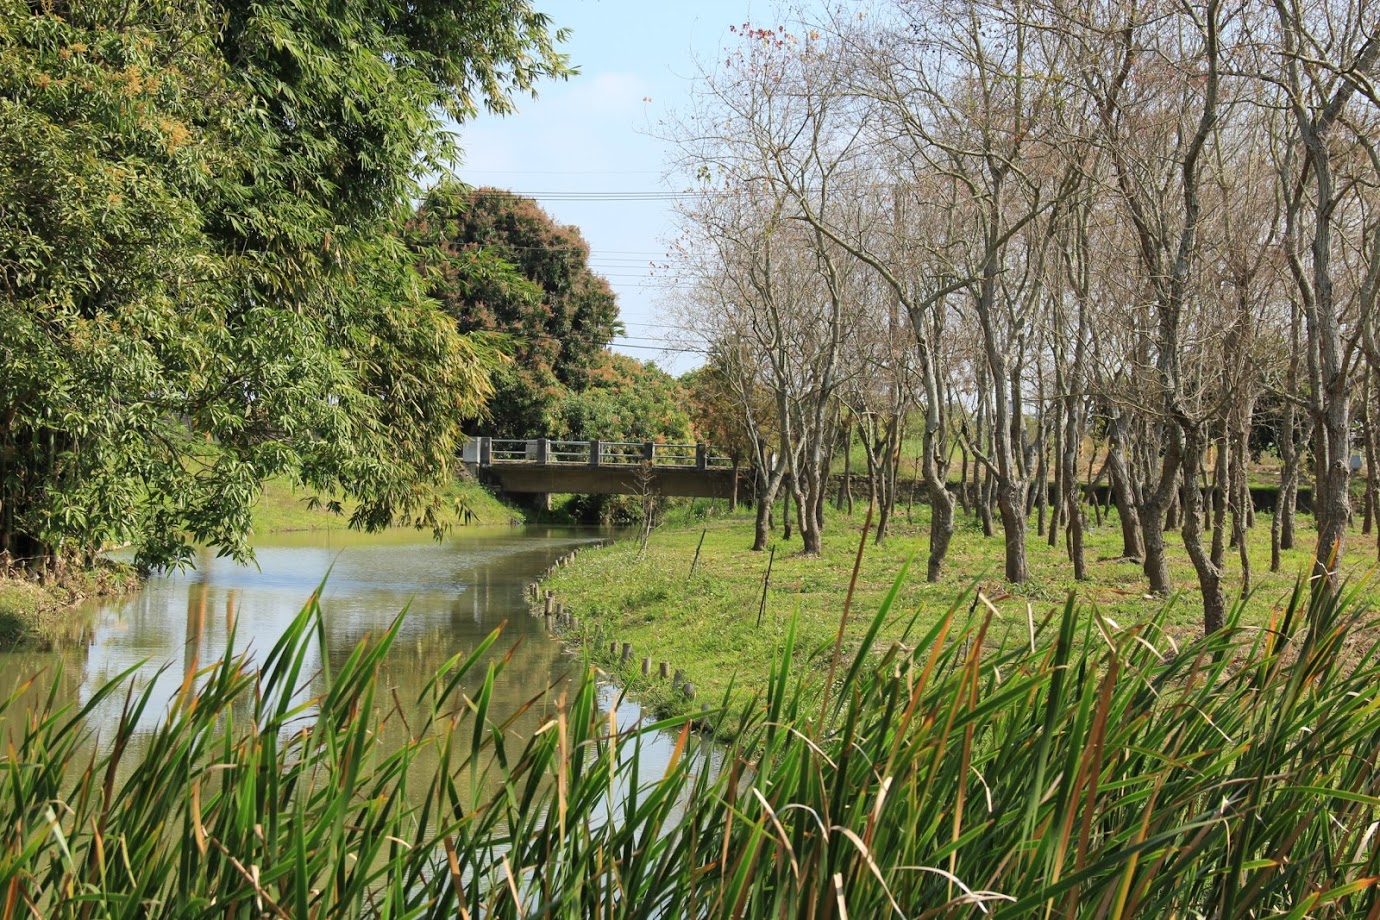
{"points": [[281, 508]]}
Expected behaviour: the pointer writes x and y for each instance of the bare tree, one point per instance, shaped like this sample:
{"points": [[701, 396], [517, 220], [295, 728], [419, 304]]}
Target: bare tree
{"points": [[1327, 55]]}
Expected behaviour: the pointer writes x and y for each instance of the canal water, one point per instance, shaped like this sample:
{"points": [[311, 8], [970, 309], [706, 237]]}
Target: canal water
{"points": [[456, 592]]}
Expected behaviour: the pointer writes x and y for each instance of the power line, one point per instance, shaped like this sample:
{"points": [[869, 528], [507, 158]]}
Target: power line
{"points": [[667, 349], [665, 327], [602, 196], [593, 252], [642, 338], [567, 172], [673, 349]]}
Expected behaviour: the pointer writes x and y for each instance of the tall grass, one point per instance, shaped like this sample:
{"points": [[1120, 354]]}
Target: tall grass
{"points": [[1063, 768]]}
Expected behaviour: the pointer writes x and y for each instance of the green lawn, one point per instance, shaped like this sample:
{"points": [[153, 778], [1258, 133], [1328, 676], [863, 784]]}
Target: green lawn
{"points": [[706, 623], [281, 508]]}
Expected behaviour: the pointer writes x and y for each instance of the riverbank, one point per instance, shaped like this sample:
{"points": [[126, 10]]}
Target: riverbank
{"points": [[40, 614], [724, 623]]}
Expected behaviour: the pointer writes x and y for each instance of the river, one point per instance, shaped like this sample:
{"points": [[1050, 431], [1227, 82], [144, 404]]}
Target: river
{"points": [[456, 592]]}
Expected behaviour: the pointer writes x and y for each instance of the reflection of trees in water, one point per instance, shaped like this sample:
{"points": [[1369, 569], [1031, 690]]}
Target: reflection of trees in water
{"points": [[183, 624], [418, 654], [525, 669], [42, 671]]}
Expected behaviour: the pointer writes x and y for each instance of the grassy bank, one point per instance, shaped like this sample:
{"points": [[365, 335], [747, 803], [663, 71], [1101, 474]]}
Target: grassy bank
{"points": [[707, 623], [1068, 768], [40, 614], [283, 509]]}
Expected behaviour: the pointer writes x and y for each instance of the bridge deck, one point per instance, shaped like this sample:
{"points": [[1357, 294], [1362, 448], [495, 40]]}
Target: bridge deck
{"points": [[542, 465]]}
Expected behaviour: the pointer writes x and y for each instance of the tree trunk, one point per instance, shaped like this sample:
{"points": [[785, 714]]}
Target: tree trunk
{"points": [[1132, 542], [941, 500], [787, 522], [984, 503], [964, 496], [1011, 503], [845, 496], [1058, 460], [1094, 484], [768, 484], [1372, 434], [807, 499], [1208, 569], [1242, 506], [1152, 516], [1041, 495], [1069, 499], [1221, 475], [1286, 502]]}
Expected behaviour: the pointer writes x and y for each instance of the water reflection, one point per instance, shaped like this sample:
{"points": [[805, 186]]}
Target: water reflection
{"points": [[456, 592]]}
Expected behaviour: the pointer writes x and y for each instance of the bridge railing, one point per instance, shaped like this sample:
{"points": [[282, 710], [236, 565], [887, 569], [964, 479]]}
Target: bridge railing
{"points": [[503, 450], [625, 453], [569, 452], [551, 452]]}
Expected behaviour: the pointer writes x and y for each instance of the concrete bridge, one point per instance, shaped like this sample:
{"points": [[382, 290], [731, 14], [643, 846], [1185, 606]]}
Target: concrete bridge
{"points": [[542, 465]]}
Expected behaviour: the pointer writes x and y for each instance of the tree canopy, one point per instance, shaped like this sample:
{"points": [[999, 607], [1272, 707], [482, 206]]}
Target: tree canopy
{"points": [[506, 267], [204, 279], [626, 400]]}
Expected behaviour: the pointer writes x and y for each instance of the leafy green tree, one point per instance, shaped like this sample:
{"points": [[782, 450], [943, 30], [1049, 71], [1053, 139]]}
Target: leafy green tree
{"points": [[626, 400], [716, 411], [203, 279], [508, 268]]}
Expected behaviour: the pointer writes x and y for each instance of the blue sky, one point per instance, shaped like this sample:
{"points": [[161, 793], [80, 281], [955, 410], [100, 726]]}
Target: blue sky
{"points": [[584, 148]]}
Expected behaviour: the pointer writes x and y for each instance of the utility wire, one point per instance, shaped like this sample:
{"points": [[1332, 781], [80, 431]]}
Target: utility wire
{"points": [[567, 172], [588, 196]]}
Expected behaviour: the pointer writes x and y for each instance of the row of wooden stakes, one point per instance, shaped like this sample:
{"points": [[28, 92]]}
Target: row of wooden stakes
{"points": [[558, 618]]}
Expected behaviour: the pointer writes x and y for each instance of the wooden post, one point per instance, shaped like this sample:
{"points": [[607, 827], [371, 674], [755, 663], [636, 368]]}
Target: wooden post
{"points": [[701, 456], [696, 561], [627, 652], [678, 679], [548, 605], [596, 453], [646, 666], [665, 670], [689, 689], [613, 648]]}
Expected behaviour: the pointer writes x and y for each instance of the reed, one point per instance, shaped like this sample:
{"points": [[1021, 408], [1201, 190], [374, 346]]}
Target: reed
{"points": [[1061, 768]]}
